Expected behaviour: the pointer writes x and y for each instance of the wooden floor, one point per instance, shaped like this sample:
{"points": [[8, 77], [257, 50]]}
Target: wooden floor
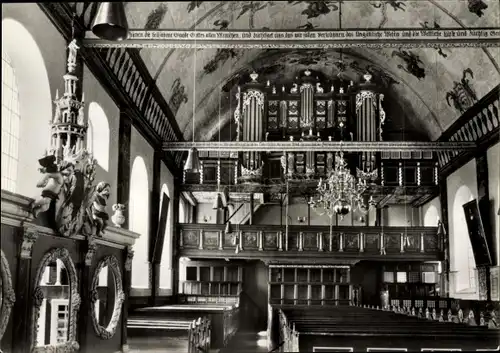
{"points": [[157, 345], [242, 342], [246, 341]]}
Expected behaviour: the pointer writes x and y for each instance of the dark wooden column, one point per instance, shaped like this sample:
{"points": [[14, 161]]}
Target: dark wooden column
{"points": [[483, 197], [85, 305], [154, 214], [175, 235], [124, 167], [128, 255], [23, 307], [443, 199], [250, 220]]}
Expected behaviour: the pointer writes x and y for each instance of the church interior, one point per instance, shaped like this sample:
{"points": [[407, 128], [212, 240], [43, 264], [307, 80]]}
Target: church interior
{"points": [[250, 176]]}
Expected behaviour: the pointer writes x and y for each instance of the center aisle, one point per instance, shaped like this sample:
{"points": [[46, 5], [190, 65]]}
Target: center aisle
{"points": [[247, 341]]}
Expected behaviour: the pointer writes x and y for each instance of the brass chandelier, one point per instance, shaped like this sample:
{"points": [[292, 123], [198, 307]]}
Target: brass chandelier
{"points": [[340, 193]]}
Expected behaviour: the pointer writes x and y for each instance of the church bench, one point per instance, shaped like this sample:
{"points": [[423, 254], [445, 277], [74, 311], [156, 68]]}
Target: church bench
{"points": [[173, 335], [223, 318], [363, 328]]}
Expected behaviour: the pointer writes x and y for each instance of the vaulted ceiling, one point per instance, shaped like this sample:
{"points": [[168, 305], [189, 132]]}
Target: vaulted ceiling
{"points": [[203, 80]]}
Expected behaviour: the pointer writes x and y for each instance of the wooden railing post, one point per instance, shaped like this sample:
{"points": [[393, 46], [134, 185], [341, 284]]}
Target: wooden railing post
{"points": [[301, 241], [422, 247], [221, 240], [240, 238], [280, 240], [361, 242], [341, 242], [402, 245], [320, 241], [200, 235], [261, 240]]}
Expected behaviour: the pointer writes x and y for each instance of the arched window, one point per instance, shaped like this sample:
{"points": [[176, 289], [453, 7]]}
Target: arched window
{"points": [[10, 124], [463, 263], [98, 135], [166, 257], [431, 217], [139, 222], [26, 108]]}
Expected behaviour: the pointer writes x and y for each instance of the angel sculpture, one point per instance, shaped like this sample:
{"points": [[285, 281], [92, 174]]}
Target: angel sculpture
{"points": [[98, 207], [51, 182]]}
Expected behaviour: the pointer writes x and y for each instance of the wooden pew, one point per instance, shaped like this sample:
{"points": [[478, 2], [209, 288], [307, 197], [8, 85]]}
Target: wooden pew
{"points": [[172, 335], [362, 328], [224, 319]]}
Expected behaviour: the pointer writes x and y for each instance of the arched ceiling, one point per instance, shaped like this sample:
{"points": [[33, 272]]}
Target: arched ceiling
{"points": [[203, 80]]}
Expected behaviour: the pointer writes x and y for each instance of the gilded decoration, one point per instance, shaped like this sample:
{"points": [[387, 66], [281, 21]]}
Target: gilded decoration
{"points": [[8, 293], [71, 345], [112, 264]]}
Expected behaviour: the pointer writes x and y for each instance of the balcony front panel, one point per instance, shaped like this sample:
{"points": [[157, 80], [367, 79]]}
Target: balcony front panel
{"points": [[272, 241]]}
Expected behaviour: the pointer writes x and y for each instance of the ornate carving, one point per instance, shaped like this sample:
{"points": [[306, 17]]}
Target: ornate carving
{"points": [[253, 94], [237, 114], [319, 89], [79, 205], [130, 257], [107, 332], [8, 294], [29, 238], [381, 115], [72, 53], [255, 173], [71, 345], [361, 96], [462, 95], [91, 249]]}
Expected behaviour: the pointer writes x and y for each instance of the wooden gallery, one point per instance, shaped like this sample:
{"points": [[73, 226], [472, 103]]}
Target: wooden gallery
{"points": [[250, 176]]}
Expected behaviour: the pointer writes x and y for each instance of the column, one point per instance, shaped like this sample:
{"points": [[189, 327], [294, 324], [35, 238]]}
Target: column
{"points": [[483, 197], [127, 279], [124, 167], [85, 306], [154, 214], [22, 311]]}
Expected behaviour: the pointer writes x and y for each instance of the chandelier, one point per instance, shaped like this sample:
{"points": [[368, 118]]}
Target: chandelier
{"points": [[340, 193]]}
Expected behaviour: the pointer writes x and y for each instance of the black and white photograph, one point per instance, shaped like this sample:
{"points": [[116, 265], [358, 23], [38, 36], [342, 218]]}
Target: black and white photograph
{"points": [[250, 176]]}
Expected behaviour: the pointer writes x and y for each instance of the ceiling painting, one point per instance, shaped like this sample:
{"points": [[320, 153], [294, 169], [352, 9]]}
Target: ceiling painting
{"points": [[424, 82]]}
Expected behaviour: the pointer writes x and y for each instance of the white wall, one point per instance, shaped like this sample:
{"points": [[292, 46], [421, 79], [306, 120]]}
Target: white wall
{"points": [[493, 155], [140, 263], [431, 212], [167, 179], [461, 188]]}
